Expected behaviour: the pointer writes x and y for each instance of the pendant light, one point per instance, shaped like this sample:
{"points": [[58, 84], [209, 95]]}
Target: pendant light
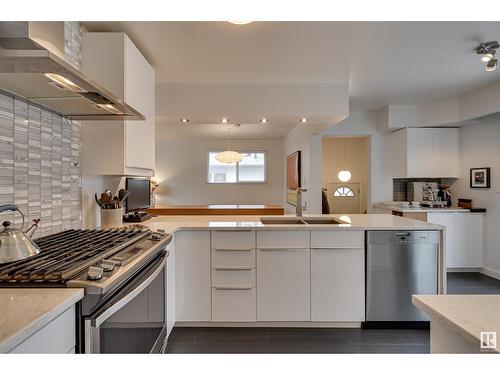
{"points": [[228, 156], [344, 175]]}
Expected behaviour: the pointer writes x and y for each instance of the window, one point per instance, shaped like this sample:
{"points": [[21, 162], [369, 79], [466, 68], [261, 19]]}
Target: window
{"points": [[343, 191], [251, 169]]}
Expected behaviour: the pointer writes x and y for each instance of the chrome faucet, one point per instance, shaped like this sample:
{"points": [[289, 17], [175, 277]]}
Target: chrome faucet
{"points": [[298, 206]]}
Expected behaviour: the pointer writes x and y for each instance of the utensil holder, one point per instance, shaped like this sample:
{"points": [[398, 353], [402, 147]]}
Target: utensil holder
{"points": [[112, 218]]}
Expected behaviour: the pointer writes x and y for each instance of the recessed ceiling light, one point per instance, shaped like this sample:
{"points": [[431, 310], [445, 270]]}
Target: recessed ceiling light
{"points": [[224, 120], [184, 120], [263, 120], [303, 120]]}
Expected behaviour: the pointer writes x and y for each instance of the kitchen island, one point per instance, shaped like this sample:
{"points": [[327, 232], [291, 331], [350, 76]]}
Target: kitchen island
{"points": [[237, 271], [457, 322]]}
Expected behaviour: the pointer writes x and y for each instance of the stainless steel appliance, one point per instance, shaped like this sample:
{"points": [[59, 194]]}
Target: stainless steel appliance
{"points": [[398, 265], [14, 243], [123, 274], [30, 70]]}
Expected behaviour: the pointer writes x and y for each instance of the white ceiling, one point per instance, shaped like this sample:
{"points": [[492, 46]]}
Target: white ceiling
{"points": [[383, 62]]}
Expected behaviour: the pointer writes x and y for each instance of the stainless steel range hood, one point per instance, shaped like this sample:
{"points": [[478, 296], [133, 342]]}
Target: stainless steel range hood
{"points": [[30, 70]]}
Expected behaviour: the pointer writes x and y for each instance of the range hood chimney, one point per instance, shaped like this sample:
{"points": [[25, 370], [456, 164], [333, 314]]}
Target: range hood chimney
{"points": [[29, 69]]}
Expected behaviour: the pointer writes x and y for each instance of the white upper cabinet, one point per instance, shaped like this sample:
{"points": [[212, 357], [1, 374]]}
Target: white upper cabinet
{"points": [[119, 147], [425, 152]]}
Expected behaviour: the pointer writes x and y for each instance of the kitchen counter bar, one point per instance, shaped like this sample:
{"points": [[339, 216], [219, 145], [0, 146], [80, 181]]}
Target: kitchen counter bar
{"points": [[458, 320], [172, 224], [218, 209], [422, 209]]}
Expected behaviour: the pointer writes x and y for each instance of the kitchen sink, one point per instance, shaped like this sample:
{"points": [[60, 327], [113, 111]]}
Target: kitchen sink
{"points": [[280, 221], [302, 220], [317, 221]]}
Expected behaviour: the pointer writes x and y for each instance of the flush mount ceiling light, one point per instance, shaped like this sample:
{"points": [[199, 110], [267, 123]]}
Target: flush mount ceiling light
{"points": [[303, 120], [184, 120], [224, 120], [344, 175], [487, 51], [263, 120], [229, 156]]}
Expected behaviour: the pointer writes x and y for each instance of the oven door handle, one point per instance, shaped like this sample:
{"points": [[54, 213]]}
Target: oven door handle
{"points": [[144, 282]]}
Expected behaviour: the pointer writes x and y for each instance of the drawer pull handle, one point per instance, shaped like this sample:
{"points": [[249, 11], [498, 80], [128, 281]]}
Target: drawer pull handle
{"points": [[281, 249], [232, 268], [231, 288], [231, 230], [233, 249], [336, 248]]}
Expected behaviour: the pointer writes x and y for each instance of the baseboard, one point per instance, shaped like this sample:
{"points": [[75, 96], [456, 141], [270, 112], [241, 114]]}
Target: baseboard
{"points": [[463, 270], [272, 324], [490, 272]]}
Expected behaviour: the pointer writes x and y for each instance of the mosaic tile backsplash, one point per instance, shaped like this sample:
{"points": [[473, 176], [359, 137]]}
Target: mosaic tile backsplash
{"points": [[39, 165]]}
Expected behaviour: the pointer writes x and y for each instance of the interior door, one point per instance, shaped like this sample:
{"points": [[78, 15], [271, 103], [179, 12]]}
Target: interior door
{"points": [[344, 197]]}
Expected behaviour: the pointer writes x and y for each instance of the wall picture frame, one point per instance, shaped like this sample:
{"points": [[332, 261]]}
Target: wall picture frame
{"points": [[293, 177], [480, 178]]}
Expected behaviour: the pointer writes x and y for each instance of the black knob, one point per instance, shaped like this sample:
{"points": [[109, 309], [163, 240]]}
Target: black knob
{"points": [[6, 224]]}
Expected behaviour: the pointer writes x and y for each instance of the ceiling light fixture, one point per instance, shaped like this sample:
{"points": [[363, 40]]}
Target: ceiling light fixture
{"points": [[303, 120], [224, 120], [264, 120], [344, 175], [487, 51], [228, 156], [184, 120], [492, 65]]}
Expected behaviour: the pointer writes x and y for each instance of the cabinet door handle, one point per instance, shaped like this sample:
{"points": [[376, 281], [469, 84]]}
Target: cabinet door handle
{"points": [[232, 288]]}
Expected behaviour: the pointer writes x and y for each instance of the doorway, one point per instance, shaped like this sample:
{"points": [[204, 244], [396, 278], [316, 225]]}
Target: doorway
{"points": [[345, 153]]}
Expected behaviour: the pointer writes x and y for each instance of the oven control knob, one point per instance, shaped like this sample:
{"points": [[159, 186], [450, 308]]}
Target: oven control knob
{"points": [[118, 261], [155, 236], [107, 265], [94, 273]]}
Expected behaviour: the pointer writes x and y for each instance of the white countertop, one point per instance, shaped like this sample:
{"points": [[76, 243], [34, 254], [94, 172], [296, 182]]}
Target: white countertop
{"points": [[25, 311], [171, 224], [468, 315], [395, 207]]}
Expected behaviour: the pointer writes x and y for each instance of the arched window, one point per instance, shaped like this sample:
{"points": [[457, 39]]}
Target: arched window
{"points": [[343, 191]]}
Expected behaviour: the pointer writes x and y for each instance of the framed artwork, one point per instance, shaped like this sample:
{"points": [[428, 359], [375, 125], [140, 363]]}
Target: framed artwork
{"points": [[480, 178], [292, 177]]}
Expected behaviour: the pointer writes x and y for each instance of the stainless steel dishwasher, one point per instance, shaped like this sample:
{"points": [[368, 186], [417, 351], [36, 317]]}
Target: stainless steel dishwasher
{"points": [[398, 265]]}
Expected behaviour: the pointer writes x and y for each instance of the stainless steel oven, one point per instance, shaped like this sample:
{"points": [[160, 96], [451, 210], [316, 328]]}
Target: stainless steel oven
{"points": [[132, 319]]}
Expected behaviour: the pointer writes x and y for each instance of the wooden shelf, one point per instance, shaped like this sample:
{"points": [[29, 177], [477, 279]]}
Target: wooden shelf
{"points": [[218, 209]]}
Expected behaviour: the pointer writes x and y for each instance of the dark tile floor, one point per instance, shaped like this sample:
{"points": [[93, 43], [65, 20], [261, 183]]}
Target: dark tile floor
{"points": [[321, 340]]}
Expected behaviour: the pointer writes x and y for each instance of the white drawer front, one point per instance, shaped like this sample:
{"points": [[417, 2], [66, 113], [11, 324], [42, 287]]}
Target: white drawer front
{"points": [[283, 239], [233, 239], [57, 337], [234, 305], [233, 258], [233, 278], [337, 239]]}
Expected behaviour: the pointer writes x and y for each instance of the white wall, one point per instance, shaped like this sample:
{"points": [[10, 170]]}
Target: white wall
{"points": [[479, 147], [298, 139], [380, 172], [181, 169]]}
